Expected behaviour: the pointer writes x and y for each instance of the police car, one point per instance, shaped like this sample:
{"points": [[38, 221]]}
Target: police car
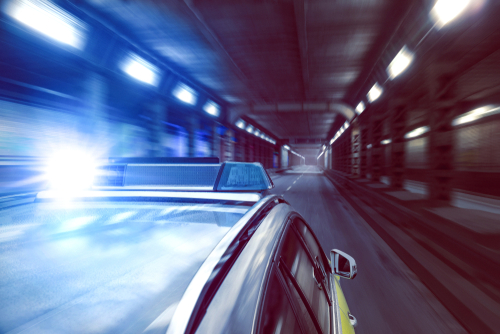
{"points": [[171, 248]]}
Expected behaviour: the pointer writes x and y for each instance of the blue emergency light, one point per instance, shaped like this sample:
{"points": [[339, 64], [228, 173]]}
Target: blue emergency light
{"points": [[227, 177]]}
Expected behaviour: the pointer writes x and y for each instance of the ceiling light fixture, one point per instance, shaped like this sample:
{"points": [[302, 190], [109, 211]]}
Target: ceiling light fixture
{"points": [[417, 132], [445, 11], [212, 108], [476, 114], [185, 94], [400, 63], [360, 107], [374, 92], [240, 123], [50, 20]]}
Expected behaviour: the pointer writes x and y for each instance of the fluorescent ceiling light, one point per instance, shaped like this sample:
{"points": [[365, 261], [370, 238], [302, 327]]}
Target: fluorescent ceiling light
{"points": [[369, 146], [475, 114], [360, 107], [402, 60], [250, 128], [286, 147], [185, 94], [332, 140], [417, 132], [240, 123], [375, 92], [212, 108], [141, 70], [386, 141], [257, 132], [445, 11], [262, 136], [50, 20]]}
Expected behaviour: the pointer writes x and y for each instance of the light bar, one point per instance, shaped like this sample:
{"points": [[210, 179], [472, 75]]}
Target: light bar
{"points": [[286, 147], [399, 64], [445, 11], [212, 108], [476, 114], [417, 132], [360, 107], [241, 124], [374, 92], [185, 94], [141, 70], [332, 140], [50, 20], [386, 141], [257, 132], [250, 128]]}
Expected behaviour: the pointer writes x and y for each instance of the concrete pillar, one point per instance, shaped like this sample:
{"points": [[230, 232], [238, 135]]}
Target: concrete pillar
{"points": [[192, 127], [441, 153], [376, 127], [398, 130], [95, 92], [363, 150], [284, 157], [355, 150]]}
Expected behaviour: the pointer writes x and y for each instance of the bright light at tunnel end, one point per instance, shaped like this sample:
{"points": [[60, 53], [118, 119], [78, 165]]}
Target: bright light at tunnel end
{"points": [[70, 170]]}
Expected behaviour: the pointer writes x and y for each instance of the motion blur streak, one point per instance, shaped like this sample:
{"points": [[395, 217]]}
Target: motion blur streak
{"points": [[377, 119]]}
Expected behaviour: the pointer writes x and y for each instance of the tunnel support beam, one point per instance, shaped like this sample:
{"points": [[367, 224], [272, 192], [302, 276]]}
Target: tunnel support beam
{"points": [[398, 129]]}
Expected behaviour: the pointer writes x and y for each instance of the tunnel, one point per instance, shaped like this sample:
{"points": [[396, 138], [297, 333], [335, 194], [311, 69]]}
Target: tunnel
{"points": [[379, 121]]}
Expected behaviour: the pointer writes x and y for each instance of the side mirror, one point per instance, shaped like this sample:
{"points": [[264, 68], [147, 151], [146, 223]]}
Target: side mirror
{"points": [[343, 264]]}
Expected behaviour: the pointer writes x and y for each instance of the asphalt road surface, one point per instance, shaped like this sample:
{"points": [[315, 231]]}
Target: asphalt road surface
{"points": [[385, 296]]}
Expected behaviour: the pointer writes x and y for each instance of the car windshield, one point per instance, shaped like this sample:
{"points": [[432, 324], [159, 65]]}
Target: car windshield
{"points": [[103, 267]]}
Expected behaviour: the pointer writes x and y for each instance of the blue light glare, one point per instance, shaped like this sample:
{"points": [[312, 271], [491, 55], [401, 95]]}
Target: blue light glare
{"points": [[71, 170], [212, 108], [141, 70], [185, 94], [50, 20]]}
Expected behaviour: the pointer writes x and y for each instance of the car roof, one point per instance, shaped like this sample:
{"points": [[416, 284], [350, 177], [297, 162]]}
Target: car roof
{"points": [[89, 251], [112, 264]]}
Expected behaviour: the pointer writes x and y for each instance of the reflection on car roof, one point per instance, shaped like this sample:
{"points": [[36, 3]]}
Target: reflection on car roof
{"points": [[102, 266]]}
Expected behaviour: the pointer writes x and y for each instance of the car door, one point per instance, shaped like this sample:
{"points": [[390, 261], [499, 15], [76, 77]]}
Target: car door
{"points": [[304, 282]]}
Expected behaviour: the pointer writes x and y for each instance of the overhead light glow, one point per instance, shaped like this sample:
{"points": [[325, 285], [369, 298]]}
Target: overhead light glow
{"points": [[141, 70], [257, 132], [476, 114], [240, 123], [374, 93], [417, 132], [332, 140], [286, 147], [185, 94], [262, 136], [50, 20], [386, 141], [369, 146], [250, 128], [399, 64], [212, 108], [360, 107], [70, 170], [445, 11]]}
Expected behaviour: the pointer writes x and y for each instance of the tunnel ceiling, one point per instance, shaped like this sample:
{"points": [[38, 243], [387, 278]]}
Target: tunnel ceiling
{"points": [[267, 52]]}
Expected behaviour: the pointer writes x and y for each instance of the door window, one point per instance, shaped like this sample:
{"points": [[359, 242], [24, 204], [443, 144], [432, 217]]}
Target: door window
{"points": [[299, 265]]}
